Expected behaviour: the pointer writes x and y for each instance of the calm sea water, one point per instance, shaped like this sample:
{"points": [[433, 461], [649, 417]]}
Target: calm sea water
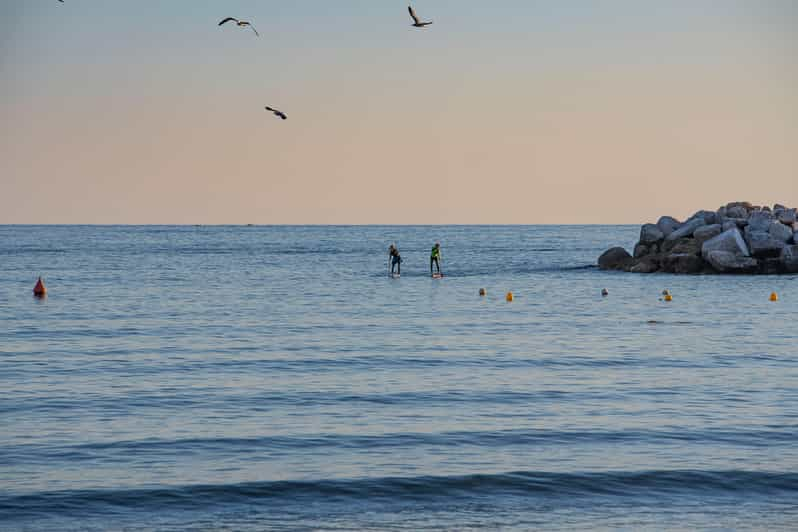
{"points": [[276, 377]]}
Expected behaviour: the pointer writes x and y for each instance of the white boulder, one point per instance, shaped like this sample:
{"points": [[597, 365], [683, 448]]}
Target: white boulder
{"points": [[730, 241]]}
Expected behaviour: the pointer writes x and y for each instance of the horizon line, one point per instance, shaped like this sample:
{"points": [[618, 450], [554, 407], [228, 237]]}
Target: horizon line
{"points": [[308, 224]]}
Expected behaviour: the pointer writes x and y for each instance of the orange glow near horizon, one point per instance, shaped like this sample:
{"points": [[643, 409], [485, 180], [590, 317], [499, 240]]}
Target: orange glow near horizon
{"points": [[585, 117]]}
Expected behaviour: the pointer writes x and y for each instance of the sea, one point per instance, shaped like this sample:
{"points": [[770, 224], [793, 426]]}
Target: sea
{"points": [[278, 378]]}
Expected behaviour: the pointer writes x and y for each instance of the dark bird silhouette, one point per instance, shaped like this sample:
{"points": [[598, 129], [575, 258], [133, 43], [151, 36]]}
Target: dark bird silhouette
{"points": [[416, 22], [240, 24], [277, 113]]}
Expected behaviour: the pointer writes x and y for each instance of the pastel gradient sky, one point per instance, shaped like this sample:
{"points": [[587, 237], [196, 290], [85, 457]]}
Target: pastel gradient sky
{"points": [[513, 111]]}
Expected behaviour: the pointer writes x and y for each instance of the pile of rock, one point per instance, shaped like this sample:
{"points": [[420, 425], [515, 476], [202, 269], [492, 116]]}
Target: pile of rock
{"points": [[737, 238]]}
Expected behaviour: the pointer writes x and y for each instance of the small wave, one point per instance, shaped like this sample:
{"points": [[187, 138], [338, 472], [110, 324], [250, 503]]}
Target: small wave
{"points": [[636, 485], [31, 250], [113, 362], [257, 445], [306, 399]]}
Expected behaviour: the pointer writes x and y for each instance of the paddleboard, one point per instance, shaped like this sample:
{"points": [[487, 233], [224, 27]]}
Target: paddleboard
{"points": [[395, 275], [437, 275]]}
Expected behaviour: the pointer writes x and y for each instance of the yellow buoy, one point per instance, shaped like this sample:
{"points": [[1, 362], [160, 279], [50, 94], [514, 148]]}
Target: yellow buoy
{"points": [[668, 297], [509, 296], [483, 292], [774, 296]]}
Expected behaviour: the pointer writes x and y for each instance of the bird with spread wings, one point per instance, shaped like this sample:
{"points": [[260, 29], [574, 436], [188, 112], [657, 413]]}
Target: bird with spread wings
{"points": [[416, 21], [240, 24], [276, 112]]}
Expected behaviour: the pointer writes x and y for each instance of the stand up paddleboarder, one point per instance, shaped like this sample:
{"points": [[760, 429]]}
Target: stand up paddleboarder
{"points": [[394, 260], [435, 258]]}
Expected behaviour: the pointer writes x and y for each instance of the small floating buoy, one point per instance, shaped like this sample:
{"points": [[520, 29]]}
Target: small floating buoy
{"points": [[483, 292], [668, 297], [774, 296], [39, 290], [509, 296], [605, 292]]}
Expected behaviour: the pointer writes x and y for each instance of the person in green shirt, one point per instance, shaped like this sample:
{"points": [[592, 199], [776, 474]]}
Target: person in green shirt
{"points": [[435, 258]]}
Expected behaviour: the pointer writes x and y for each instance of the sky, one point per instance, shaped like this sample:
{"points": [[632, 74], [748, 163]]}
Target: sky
{"points": [[503, 112]]}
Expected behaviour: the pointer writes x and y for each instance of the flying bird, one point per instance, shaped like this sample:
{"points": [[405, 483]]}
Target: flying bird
{"points": [[416, 22], [240, 23], [277, 113]]}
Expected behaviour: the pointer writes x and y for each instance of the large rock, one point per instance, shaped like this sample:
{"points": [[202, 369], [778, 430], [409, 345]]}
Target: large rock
{"points": [[709, 217], [770, 266], [737, 238], [727, 262], [760, 221], [730, 241], [649, 264], [779, 231], [687, 229], [787, 216], [683, 245], [682, 263], [746, 205], [762, 245], [727, 224], [739, 222], [668, 224], [650, 234], [615, 258], [789, 259], [702, 234], [641, 250], [737, 211]]}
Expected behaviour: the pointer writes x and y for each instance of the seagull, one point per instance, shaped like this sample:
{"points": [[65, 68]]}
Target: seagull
{"points": [[417, 23], [241, 24], [277, 113]]}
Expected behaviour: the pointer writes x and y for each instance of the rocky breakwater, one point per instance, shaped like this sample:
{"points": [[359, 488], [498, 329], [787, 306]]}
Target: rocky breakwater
{"points": [[737, 238]]}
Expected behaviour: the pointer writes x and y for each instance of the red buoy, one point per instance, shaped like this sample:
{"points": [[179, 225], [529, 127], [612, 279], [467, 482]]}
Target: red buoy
{"points": [[39, 290]]}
